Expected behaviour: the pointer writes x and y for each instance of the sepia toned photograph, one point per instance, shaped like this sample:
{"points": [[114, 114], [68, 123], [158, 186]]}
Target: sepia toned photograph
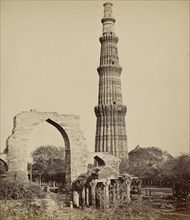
{"points": [[94, 110]]}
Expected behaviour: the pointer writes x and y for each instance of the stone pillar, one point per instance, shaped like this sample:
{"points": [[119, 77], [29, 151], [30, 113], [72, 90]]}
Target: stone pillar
{"points": [[101, 198], [71, 204], [114, 192], [83, 197], [87, 197], [93, 192], [139, 186], [128, 182], [106, 194], [117, 189], [75, 199]]}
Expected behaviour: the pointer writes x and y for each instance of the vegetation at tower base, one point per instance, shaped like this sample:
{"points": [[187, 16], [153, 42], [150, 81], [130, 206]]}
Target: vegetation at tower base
{"points": [[34, 210], [16, 189], [138, 210], [158, 168], [177, 169], [18, 199], [146, 162], [49, 164]]}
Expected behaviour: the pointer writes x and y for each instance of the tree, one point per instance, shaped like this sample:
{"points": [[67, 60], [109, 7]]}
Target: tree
{"points": [[145, 163], [176, 169], [49, 162], [177, 172]]}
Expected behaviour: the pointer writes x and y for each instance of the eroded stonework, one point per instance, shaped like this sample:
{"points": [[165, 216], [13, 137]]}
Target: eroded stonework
{"points": [[69, 127]]}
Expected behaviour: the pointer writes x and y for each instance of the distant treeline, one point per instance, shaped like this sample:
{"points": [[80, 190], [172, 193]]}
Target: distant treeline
{"points": [[156, 167]]}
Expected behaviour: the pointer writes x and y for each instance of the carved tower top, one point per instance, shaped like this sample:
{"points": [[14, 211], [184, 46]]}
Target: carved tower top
{"points": [[108, 20]]}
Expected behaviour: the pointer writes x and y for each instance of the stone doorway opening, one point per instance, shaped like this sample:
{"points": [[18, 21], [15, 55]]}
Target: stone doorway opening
{"points": [[58, 136]]}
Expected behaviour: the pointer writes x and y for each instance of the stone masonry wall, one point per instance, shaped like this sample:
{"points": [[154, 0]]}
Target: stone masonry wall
{"points": [[25, 122]]}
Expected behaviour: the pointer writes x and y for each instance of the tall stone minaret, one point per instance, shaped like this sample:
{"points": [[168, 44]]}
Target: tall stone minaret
{"points": [[110, 112]]}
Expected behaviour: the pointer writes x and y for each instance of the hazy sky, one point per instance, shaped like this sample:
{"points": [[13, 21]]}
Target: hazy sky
{"points": [[50, 52]]}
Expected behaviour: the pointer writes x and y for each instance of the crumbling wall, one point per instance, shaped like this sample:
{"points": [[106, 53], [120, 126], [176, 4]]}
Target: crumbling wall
{"points": [[67, 125]]}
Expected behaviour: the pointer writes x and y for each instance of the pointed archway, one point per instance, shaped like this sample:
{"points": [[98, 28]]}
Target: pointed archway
{"points": [[68, 125], [67, 151]]}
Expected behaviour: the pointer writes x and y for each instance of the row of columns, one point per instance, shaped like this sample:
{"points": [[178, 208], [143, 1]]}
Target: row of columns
{"points": [[103, 193]]}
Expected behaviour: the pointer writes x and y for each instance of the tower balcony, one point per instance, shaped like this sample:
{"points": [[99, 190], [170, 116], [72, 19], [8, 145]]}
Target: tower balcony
{"points": [[103, 20], [109, 68], [109, 37], [101, 110]]}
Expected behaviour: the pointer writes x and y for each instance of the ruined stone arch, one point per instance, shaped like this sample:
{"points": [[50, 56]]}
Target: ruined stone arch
{"points": [[68, 126], [99, 161]]}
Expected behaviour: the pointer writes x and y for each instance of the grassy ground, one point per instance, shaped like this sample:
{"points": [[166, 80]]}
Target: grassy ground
{"points": [[158, 196], [174, 216]]}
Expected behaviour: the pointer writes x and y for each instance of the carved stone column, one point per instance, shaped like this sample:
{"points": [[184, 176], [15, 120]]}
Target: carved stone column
{"points": [[117, 190], [128, 182], [106, 194], [139, 186], [114, 192], [87, 196], [93, 192], [83, 197]]}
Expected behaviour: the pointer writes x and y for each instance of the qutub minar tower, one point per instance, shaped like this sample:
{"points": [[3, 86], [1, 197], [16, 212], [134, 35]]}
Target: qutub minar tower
{"points": [[110, 112]]}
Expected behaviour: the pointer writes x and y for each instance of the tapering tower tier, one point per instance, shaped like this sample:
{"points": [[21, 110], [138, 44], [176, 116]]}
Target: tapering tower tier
{"points": [[110, 111]]}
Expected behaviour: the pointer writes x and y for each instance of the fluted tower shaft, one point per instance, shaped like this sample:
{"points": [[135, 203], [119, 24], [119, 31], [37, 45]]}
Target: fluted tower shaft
{"points": [[110, 111]]}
